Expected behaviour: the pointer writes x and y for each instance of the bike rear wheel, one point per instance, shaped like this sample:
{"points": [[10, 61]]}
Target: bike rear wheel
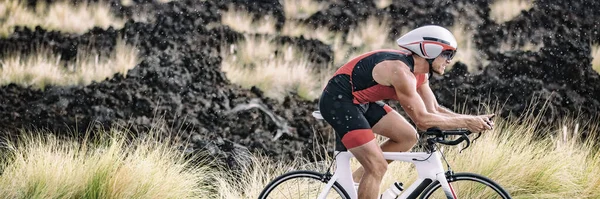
{"points": [[301, 184], [467, 185]]}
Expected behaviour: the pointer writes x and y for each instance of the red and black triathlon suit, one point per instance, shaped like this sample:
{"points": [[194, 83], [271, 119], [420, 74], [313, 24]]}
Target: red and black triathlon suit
{"points": [[351, 101]]}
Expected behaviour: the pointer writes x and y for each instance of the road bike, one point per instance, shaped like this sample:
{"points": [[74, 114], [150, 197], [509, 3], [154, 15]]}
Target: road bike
{"points": [[432, 180]]}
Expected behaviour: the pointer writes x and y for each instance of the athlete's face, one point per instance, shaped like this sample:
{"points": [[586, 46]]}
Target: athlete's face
{"points": [[441, 62]]}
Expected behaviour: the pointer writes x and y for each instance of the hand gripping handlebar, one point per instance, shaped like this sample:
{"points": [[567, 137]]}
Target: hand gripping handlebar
{"points": [[440, 136]]}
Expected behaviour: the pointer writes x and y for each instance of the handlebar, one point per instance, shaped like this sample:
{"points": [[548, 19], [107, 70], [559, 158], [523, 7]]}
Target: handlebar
{"points": [[440, 136], [438, 132]]}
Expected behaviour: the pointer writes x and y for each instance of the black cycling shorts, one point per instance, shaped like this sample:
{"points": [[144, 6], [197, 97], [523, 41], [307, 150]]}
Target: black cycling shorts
{"points": [[352, 122]]}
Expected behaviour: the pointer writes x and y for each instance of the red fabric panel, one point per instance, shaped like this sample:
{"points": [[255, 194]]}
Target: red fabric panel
{"points": [[374, 93], [420, 79], [348, 67], [357, 137], [387, 108]]}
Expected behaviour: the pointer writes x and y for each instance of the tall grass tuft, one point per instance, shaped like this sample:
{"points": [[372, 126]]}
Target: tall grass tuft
{"points": [[467, 52], [596, 57], [505, 10], [250, 180], [301, 9], [43, 68], [243, 21], [371, 34], [61, 15], [275, 69], [511, 43], [381, 4], [296, 29], [528, 166], [39, 165]]}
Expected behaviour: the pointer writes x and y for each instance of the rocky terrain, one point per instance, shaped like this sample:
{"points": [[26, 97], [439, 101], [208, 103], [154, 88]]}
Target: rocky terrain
{"points": [[179, 82]]}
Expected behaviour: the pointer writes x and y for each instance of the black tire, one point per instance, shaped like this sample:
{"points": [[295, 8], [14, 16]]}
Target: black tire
{"points": [[467, 185], [310, 180]]}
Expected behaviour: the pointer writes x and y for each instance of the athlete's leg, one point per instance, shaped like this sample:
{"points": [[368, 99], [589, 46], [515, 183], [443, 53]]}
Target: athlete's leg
{"points": [[402, 135], [370, 157], [354, 128]]}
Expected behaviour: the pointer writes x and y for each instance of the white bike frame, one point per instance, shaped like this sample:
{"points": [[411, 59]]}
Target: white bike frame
{"points": [[429, 169]]}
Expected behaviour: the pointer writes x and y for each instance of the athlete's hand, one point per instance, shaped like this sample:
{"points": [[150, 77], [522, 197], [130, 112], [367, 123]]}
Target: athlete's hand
{"points": [[488, 120], [480, 123]]}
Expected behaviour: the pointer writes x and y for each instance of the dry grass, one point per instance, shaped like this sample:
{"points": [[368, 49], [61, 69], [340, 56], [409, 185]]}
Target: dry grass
{"points": [[368, 35], [242, 21], [559, 166], [252, 62], [371, 34], [296, 29], [44, 68], [301, 9], [509, 44], [43, 166], [253, 49], [61, 16], [526, 166], [250, 181], [381, 4], [596, 57], [467, 52], [505, 10], [342, 51]]}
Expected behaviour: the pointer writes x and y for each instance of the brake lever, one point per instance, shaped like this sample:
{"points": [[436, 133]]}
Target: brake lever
{"points": [[478, 135], [466, 138]]}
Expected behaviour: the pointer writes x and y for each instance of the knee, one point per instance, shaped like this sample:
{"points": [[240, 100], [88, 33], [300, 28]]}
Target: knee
{"points": [[377, 169], [412, 137]]}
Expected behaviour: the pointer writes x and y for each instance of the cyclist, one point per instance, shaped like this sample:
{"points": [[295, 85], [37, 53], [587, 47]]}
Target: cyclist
{"points": [[351, 101]]}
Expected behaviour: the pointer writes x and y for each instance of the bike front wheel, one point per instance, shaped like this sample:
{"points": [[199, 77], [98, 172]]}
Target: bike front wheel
{"points": [[301, 184], [467, 185]]}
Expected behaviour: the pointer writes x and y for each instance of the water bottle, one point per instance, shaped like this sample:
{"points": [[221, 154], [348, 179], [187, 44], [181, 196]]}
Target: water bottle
{"points": [[393, 191]]}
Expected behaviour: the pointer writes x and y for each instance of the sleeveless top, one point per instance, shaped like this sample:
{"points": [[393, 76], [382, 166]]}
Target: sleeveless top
{"points": [[354, 80]]}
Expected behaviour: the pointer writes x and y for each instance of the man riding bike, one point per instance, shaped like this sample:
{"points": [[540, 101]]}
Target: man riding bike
{"points": [[351, 101]]}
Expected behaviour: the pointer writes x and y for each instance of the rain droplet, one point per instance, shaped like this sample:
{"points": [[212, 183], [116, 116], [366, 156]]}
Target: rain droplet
{"points": [[340, 96]]}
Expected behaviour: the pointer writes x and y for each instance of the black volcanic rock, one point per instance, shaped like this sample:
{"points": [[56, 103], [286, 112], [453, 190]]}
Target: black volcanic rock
{"points": [[319, 53], [559, 72], [179, 81], [341, 15]]}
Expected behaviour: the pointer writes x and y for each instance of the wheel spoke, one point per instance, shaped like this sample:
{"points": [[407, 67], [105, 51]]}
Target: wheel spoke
{"points": [[300, 184], [468, 186]]}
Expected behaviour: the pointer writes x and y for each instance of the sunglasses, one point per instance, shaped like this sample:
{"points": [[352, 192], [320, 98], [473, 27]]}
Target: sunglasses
{"points": [[448, 54]]}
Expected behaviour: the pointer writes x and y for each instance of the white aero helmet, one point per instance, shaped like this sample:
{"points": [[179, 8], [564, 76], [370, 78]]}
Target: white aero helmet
{"points": [[428, 41]]}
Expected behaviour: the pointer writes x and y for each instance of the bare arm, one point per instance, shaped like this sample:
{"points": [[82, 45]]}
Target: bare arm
{"points": [[397, 74], [431, 102], [433, 107], [405, 84]]}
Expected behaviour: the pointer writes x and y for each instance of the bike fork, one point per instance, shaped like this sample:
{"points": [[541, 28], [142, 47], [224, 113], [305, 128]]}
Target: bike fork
{"points": [[446, 186], [328, 187]]}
